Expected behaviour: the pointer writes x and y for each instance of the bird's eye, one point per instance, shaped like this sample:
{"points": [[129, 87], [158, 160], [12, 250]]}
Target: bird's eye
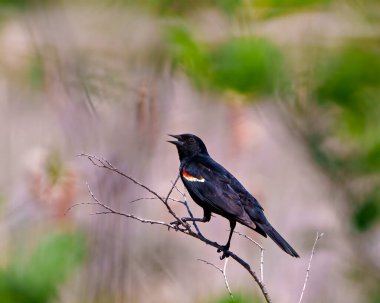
{"points": [[191, 140]]}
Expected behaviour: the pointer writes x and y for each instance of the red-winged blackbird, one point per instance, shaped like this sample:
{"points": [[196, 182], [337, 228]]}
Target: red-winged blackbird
{"points": [[216, 190]]}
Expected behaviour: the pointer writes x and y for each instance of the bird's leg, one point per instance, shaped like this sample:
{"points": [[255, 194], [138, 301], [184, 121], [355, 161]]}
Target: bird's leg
{"points": [[206, 218], [227, 246]]}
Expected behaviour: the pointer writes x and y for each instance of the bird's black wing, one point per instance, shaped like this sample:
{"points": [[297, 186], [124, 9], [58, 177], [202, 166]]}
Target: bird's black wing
{"points": [[246, 198], [251, 206], [211, 187]]}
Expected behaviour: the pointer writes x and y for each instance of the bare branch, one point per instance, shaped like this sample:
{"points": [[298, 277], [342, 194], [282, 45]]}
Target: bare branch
{"points": [[107, 165], [225, 278], [78, 204], [171, 189], [186, 225], [109, 210], [155, 198], [249, 239], [141, 199], [148, 221], [187, 207], [212, 264], [192, 216], [96, 199], [261, 253], [224, 273], [262, 265], [101, 162], [319, 235], [182, 193], [237, 259]]}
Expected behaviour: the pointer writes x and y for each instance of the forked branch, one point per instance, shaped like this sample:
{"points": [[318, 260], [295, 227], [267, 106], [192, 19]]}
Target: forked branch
{"points": [[261, 254], [224, 273]]}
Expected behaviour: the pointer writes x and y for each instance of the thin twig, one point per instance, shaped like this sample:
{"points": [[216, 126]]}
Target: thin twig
{"points": [[212, 264], [171, 189], [103, 163], [107, 165], [109, 210], [262, 265], [184, 202], [261, 253], [185, 224], [226, 280], [224, 273], [182, 193], [142, 220], [155, 198], [192, 216], [237, 259], [249, 239], [319, 235]]}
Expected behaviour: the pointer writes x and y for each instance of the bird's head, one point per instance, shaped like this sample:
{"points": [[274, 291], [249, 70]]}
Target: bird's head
{"points": [[188, 146]]}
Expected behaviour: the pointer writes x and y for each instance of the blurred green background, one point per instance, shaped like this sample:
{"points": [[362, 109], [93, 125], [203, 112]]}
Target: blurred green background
{"points": [[285, 93]]}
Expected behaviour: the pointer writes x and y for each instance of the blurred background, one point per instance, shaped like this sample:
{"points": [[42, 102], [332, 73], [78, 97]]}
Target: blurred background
{"points": [[285, 93]]}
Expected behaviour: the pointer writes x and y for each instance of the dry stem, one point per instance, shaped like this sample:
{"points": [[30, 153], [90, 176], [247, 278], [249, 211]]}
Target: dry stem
{"points": [[319, 235], [224, 273]]}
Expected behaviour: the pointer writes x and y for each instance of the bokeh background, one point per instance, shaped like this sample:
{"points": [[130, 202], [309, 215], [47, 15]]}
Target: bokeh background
{"points": [[286, 94]]}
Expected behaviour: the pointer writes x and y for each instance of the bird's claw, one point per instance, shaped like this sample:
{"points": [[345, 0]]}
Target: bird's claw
{"points": [[226, 254], [225, 251]]}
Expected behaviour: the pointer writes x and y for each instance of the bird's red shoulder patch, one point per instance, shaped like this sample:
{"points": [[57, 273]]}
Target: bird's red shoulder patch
{"points": [[191, 178]]}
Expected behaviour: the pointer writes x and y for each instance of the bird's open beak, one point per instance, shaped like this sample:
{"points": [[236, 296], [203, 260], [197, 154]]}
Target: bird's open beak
{"points": [[178, 137]]}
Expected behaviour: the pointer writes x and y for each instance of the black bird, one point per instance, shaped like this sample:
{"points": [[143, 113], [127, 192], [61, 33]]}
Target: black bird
{"points": [[216, 190]]}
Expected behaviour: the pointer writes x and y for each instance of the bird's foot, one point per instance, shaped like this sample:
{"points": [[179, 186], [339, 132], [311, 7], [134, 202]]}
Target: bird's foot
{"points": [[225, 251]]}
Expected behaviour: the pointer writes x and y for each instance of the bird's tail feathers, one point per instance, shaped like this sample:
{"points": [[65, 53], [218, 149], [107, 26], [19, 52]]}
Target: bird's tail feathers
{"points": [[278, 239]]}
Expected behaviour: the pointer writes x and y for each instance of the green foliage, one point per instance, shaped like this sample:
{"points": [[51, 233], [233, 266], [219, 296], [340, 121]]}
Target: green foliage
{"points": [[245, 65], [348, 82], [54, 167], [35, 278], [15, 4], [278, 4], [368, 212], [22, 4], [274, 8], [325, 159], [169, 6], [187, 53], [228, 6], [181, 8], [348, 75], [376, 297], [36, 72], [238, 298]]}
